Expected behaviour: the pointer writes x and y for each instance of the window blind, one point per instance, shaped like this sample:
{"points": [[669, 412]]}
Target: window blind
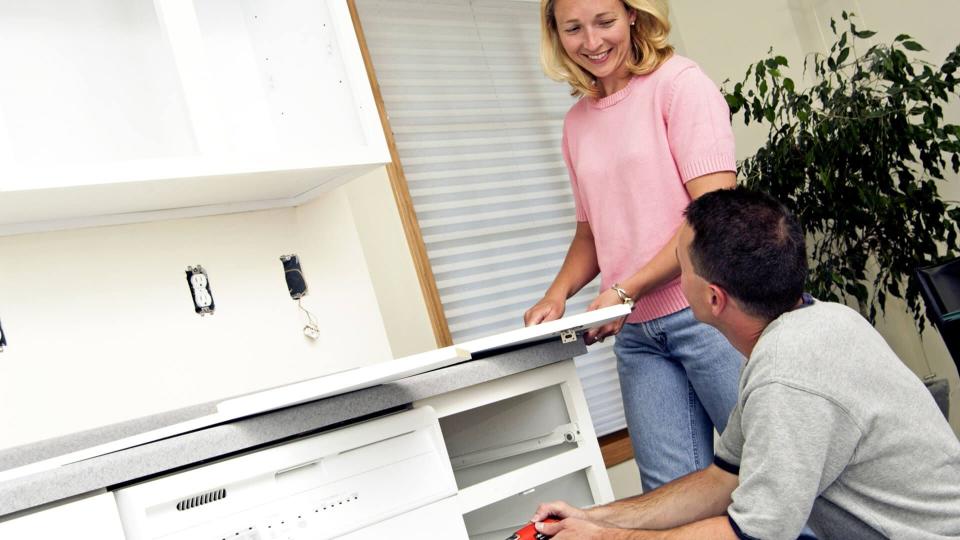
{"points": [[477, 128]]}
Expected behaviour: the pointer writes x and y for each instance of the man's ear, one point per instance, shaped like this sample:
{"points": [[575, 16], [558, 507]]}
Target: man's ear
{"points": [[718, 299]]}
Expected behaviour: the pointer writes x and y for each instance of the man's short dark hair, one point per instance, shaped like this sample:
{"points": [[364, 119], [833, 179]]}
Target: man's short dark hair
{"points": [[750, 245]]}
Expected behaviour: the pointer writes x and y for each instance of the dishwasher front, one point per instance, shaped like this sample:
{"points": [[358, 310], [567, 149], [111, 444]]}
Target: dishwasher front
{"points": [[387, 477]]}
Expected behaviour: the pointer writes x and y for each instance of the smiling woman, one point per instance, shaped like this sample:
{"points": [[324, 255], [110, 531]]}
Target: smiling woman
{"points": [[477, 128], [650, 133]]}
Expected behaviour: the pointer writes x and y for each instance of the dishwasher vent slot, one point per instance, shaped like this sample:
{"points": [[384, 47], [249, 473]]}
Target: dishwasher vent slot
{"points": [[200, 500]]}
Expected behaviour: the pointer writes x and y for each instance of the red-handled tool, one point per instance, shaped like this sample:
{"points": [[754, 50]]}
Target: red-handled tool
{"points": [[530, 532]]}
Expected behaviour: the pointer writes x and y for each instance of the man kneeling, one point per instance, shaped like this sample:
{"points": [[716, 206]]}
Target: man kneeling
{"points": [[830, 427]]}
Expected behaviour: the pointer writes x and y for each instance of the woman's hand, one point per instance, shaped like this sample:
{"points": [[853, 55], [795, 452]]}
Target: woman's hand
{"points": [[547, 309], [607, 298]]}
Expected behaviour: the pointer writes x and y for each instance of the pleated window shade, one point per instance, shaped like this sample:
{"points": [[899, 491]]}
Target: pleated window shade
{"points": [[477, 127]]}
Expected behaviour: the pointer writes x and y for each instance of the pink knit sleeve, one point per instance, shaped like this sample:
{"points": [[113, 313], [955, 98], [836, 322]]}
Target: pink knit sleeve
{"points": [[581, 214], [698, 126]]}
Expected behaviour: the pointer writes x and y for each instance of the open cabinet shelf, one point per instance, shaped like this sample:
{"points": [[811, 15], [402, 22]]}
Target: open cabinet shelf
{"points": [[519, 441]]}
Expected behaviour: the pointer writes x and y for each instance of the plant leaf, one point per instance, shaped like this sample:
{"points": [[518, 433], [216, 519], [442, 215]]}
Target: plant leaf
{"points": [[732, 102], [844, 53]]}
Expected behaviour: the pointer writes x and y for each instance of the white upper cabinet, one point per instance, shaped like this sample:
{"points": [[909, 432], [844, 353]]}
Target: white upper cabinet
{"points": [[127, 110]]}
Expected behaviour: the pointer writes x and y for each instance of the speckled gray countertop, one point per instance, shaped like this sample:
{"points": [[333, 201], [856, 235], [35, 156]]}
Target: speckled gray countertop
{"points": [[22, 495]]}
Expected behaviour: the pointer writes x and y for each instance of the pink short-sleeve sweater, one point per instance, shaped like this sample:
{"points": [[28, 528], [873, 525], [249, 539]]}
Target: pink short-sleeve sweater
{"points": [[630, 155]]}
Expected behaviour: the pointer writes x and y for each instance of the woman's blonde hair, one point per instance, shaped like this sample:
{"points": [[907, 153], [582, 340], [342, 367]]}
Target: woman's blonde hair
{"points": [[648, 35]]}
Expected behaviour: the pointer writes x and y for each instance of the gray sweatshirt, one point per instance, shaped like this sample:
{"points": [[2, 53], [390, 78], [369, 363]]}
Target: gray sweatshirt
{"points": [[832, 427]]}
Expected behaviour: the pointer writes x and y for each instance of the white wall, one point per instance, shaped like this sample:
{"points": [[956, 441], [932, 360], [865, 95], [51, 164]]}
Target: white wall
{"points": [[101, 326], [724, 38], [390, 265], [625, 479]]}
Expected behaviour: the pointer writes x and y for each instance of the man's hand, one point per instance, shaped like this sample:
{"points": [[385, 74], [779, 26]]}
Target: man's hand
{"points": [[573, 529], [574, 522], [607, 298], [547, 309]]}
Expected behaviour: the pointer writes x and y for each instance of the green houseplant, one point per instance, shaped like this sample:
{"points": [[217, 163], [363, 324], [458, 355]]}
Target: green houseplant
{"points": [[857, 155]]}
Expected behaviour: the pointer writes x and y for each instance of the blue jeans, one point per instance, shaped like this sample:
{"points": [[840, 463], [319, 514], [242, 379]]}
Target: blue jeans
{"points": [[678, 378]]}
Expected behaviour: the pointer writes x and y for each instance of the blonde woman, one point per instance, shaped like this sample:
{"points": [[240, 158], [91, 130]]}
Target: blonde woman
{"points": [[650, 133]]}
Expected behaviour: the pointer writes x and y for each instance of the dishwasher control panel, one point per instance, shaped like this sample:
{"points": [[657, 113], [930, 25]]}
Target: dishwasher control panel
{"points": [[334, 484]]}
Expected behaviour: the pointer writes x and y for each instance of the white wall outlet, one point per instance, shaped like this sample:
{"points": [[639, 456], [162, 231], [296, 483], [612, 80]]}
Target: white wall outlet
{"points": [[200, 290]]}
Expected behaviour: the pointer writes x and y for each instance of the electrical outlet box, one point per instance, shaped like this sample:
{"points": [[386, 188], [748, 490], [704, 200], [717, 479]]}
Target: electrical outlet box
{"points": [[200, 290], [296, 284]]}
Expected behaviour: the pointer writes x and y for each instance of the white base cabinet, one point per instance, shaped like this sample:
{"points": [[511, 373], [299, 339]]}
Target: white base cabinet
{"points": [[512, 443], [519, 441]]}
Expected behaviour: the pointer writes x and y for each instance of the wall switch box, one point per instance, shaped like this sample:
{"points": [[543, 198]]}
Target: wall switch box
{"points": [[296, 284], [200, 290]]}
